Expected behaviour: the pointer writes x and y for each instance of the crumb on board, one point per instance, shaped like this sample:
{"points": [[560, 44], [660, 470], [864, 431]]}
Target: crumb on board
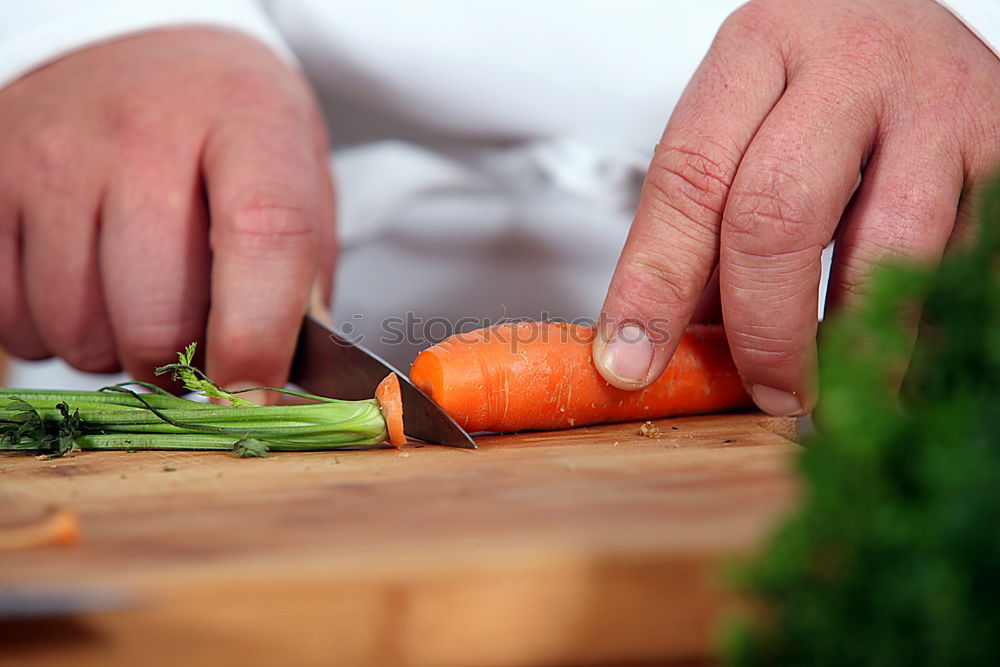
{"points": [[404, 455], [169, 469], [648, 430]]}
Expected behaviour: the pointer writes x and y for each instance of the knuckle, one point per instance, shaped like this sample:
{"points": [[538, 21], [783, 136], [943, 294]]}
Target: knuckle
{"points": [[27, 350], [12, 315], [773, 208], [136, 121], [270, 94], [266, 223], [244, 353], [764, 348], [18, 335], [754, 19], [153, 336], [90, 354], [50, 149], [881, 243], [167, 209], [761, 22], [647, 283], [849, 285], [692, 181], [867, 41], [859, 258], [864, 59], [247, 86]]}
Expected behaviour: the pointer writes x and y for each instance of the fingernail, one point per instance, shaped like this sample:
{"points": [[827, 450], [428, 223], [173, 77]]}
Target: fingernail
{"points": [[260, 397], [628, 354], [776, 402]]}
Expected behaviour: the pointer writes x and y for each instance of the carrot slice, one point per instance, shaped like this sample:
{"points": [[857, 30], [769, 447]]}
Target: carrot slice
{"points": [[391, 402], [61, 528], [539, 375]]}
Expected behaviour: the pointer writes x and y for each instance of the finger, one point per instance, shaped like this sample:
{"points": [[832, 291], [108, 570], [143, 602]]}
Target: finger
{"points": [[785, 203], [325, 273], [904, 211], [672, 246], [979, 171], [155, 259], [18, 333], [62, 278], [265, 181]]}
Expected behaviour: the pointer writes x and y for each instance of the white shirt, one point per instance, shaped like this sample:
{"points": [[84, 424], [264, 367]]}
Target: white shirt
{"points": [[487, 155]]}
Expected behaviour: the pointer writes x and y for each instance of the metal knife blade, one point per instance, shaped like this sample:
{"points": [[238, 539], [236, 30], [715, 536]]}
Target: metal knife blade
{"points": [[39, 602], [328, 364]]}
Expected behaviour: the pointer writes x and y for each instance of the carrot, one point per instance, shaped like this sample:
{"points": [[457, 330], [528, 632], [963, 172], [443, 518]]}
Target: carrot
{"points": [[540, 376], [391, 402], [61, 528]]}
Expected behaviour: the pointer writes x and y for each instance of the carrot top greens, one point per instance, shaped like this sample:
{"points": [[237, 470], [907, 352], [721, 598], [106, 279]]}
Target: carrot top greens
{"points": [[893, 555], [194, 380], [138, 415]]}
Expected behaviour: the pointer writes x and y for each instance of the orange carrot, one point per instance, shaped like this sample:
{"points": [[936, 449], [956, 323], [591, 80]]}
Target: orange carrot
{"points": [[391, 402], [539, 376], [61, 528]]}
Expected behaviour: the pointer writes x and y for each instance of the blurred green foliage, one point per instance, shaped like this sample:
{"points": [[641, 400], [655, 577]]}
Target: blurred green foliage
{"points": [[893, 556]]}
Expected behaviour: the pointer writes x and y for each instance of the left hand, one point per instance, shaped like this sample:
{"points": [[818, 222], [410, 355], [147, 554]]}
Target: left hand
{"points": [[761, 166]]}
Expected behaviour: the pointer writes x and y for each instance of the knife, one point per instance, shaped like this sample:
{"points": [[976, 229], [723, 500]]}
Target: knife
{"points": [[327, 364], [29, 603]]}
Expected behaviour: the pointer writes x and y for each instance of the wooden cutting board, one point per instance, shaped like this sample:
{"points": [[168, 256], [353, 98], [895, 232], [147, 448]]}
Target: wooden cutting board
{"points": [[591, 546]]}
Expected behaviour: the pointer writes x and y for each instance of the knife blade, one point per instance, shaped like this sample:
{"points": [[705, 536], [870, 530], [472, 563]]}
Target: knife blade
{"points": [[327, 364], [40, 602]]}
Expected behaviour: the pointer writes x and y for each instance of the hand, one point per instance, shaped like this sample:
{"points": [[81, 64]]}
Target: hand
{"points": [[761, 166], [156, 187]]}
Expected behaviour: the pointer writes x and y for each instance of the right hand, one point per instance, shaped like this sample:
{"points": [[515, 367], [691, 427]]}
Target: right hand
{"points": [[160, 189]]}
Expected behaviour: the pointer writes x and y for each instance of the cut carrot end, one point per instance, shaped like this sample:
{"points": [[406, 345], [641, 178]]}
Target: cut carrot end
{"points": [[426, 373], [391, 401]]}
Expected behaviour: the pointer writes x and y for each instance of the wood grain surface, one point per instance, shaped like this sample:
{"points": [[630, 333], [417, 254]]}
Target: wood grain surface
{"points": [[590, 546]]}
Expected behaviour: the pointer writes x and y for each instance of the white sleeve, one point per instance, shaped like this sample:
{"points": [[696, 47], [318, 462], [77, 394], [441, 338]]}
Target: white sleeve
{"points": [[982, 17], [36, 32]]}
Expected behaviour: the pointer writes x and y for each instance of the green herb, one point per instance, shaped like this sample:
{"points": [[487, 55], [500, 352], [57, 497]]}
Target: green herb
{"points": [[248, 447], [120, 417], [893, 556], [196, 381]]}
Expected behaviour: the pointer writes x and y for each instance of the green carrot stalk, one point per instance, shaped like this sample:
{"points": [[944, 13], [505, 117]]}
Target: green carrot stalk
{"points": [[108, 396], [118, 417]]}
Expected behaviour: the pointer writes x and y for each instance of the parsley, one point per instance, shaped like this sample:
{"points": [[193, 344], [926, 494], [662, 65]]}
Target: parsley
{"points": [[893, 556]]}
